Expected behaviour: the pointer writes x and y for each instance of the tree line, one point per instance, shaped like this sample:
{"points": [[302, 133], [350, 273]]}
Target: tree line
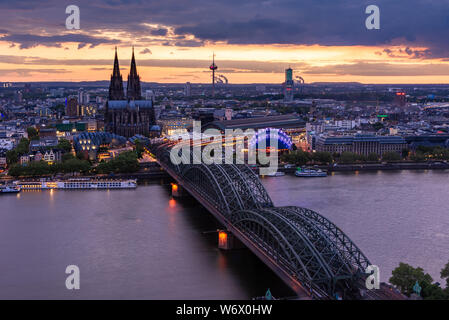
{"points": [[300, 157], [405, 277]]}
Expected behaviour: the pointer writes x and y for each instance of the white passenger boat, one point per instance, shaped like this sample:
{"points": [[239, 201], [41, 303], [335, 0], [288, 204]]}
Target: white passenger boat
{"points": [[80, 183], [310, 173], [9, 189]]}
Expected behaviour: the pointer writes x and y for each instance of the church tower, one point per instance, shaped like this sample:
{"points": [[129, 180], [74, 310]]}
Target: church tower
{"points": [[116, 84], [133, 87]]}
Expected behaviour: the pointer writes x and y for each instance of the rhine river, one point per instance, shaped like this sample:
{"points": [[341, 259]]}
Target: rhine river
{"points": [[142, 244]]}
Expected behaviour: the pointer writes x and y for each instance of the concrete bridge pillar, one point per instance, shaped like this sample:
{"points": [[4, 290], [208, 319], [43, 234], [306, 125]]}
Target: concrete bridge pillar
{"points": [[225, 240], [177, 191]]}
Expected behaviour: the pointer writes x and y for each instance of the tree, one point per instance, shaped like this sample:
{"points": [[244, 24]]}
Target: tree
{"points": [[418, 156], [373, 157], [139, 148], [31, 169], [125, 162], [298, 157], [23, 146], [377, 126], [440, 153], [404, 153], [405, 276], [75, 165], [322, 157], [391, 156], [64, 145], [445, 275], [33, 134], [67, 156], [12, 157], [348, 157]]}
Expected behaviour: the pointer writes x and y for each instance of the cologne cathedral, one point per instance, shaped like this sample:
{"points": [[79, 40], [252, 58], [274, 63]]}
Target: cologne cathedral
{"points": [[127, 115]]}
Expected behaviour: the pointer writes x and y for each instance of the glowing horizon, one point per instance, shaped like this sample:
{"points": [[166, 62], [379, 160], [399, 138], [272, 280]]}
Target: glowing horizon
{"points": [[174, 44], [266, 64]]}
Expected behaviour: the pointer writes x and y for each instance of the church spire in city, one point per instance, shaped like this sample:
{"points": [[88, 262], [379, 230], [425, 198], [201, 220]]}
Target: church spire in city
{"points": [[116, 84], [133, 86]]}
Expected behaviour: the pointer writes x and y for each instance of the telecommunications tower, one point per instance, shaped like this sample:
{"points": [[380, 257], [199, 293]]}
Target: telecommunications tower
{"points": [[213, 67]]}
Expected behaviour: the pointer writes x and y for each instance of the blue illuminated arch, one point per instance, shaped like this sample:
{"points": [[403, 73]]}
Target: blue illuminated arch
{"points": [[284, 141]]}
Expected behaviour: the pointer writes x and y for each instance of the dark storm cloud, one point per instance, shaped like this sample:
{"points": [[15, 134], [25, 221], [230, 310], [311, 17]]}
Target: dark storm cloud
{"points": [[226, 66], [408, 23], [26, 41], [253, 31], [159, 32]]}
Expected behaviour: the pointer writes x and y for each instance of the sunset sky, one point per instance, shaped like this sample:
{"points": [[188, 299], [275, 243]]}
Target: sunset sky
{"points": [[254, 41]]}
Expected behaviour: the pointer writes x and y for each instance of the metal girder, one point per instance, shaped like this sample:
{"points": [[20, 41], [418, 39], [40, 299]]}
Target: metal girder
{"points": [[287, 245], [254, 184], [348, 249], [307, 245]]}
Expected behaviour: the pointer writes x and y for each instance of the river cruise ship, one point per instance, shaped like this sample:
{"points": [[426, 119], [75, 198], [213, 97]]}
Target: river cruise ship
{"points": [[80, 183], [310, 173], [9, 188]]}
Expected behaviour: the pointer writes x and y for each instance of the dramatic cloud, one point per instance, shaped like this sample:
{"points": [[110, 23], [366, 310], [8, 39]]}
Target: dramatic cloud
{"points": [[408, 23], [27, 41], [226, 66], [27, 72], [145, 51], [381, 69]]}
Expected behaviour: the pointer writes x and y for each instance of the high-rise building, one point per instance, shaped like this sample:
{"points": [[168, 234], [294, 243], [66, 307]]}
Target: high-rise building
{"points": [[72, 107], [288, 85], [187, 89], [213, 67], [400, 98]]}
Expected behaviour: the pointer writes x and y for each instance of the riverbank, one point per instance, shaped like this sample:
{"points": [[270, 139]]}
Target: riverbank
{"points": [[154, 171], [378, 166]]}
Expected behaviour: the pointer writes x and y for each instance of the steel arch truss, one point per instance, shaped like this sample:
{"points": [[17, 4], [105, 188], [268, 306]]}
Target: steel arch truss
{"points": [[307, 246], [304, 247], [235, 189]]}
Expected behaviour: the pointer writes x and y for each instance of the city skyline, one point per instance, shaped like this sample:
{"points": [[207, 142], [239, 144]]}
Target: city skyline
{"points": [[254, 42]]}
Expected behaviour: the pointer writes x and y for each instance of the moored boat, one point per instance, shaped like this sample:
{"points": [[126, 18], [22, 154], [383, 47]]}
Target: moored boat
{"points": [[310, 173], [10, 188], [79, 183], [276, 174]]}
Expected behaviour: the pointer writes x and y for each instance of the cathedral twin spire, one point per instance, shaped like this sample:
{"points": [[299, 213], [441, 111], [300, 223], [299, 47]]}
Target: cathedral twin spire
{"points": [[133, 90]]}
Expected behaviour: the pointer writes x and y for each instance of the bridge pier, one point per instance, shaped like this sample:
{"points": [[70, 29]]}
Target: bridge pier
{"points": [[225, 240], [177, 191]]}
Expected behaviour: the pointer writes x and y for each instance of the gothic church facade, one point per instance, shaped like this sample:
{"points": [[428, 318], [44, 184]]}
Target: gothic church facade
{"points": [[127, 115]]}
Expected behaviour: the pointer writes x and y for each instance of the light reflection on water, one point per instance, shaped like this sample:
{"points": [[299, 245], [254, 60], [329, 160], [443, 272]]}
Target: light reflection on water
{"points": [[139, 244], [144, 244]]}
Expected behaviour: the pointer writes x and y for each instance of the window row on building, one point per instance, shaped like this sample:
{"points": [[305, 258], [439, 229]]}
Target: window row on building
{"points": [[361, 144]]}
